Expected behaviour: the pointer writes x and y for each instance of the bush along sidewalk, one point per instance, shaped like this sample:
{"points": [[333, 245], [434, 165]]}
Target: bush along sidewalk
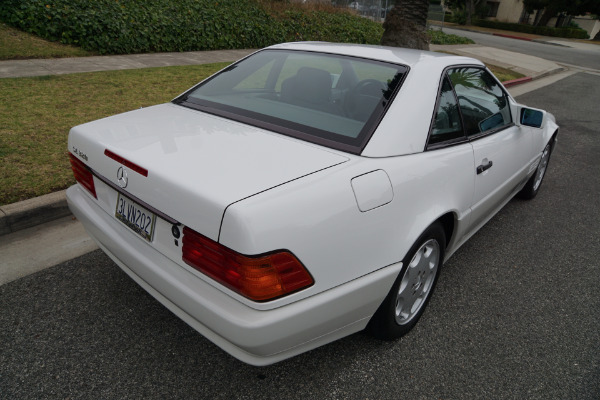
{"points": [[565, 32]]}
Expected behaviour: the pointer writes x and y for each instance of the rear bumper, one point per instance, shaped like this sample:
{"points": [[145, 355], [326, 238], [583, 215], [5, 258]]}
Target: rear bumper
{"points": [[253, 336]]}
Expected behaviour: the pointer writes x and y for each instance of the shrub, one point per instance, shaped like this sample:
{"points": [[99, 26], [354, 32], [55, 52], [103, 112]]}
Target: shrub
{"points": [[439, 37], [136, 26], [458, 16], [330, 27], [566, 32]]}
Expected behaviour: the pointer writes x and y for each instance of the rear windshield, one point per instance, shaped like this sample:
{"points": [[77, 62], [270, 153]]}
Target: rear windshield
{"points": [[333, 100]]}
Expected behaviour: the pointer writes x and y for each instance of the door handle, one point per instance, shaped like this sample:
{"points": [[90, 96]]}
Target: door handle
{"points": [[484, 167]]}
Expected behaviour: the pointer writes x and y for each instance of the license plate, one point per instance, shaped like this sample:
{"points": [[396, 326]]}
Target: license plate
{"points": [[136, 217]]}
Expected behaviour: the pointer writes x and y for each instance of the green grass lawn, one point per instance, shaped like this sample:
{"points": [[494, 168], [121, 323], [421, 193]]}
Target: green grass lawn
{"points": [[504, 74], [37, 113], [16, 44]]}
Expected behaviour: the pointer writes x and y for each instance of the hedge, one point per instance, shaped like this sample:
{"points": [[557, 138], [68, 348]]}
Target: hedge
{"points": [[439, 37], [141, 26], [576, 33]]}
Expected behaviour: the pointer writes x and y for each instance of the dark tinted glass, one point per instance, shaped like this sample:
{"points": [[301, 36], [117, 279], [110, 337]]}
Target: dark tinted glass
{"points": [[483, 103], [446, 124], [324, 98]]}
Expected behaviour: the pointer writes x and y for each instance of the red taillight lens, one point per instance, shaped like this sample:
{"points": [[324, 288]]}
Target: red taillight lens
{"points": [[83, 175], [257, 278]]}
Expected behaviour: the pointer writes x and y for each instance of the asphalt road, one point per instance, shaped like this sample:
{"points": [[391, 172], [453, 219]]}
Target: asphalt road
{"points": [[515, 315], [588, 57]]}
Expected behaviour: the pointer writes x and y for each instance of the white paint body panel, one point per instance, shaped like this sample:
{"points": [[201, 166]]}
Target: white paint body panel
{"points": [[372, 190], [510, 151], [191, 178], [350, 219], [414, 103], [253, 336]]}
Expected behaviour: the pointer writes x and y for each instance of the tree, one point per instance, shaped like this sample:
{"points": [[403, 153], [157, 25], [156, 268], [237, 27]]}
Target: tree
{"points": [[553, 7], [406, 25], [470, 11]]}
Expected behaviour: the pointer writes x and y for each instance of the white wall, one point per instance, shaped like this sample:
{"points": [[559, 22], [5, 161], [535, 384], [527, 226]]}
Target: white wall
{"points": [[509, 11], [592, 26]]}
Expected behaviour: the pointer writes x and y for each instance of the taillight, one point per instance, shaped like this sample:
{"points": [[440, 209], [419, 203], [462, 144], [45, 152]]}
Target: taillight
{"points": [[83, 175], [258, 278]]}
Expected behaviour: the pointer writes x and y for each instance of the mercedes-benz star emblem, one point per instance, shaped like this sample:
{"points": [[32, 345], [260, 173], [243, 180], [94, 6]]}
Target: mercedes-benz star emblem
{"points": [[122, 177]]}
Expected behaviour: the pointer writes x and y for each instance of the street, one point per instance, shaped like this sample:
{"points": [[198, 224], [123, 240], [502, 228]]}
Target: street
{"points": [[587, 56], [515, 314]]}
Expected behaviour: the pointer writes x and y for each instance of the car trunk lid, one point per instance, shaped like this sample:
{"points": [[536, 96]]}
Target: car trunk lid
{"points": [[197, 163]]}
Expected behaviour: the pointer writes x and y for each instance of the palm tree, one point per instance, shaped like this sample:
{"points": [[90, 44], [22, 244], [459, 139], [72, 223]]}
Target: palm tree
{"points": [[406, 25]]}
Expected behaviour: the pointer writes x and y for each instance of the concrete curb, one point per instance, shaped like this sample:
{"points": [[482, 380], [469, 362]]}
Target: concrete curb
{"points": [[512, 36], [33, 212], [517, 81], [543, 41], [550, 43]]}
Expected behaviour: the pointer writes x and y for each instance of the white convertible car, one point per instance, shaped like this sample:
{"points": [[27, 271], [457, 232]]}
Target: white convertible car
{"points": [[308, 191]]}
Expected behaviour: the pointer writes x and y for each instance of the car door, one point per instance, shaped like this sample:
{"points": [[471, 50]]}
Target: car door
{"points": [[501, 150]]}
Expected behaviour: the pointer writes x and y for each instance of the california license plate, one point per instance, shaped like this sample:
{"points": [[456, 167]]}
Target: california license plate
{"points": [[136, 217]]}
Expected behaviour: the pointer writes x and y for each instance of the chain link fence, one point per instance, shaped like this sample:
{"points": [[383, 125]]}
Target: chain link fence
{"points": [[377, 10], [372, 9]]}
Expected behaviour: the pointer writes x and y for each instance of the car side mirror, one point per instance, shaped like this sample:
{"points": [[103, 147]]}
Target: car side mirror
{"points": [[531, 117]]}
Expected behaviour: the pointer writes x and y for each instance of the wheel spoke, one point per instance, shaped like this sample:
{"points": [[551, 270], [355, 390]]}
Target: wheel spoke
{"points": [[417, 281], [541, 170]]}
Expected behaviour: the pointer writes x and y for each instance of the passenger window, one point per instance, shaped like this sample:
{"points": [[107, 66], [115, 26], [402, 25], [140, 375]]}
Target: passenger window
{"points": [[446, 124], [483, 103]]}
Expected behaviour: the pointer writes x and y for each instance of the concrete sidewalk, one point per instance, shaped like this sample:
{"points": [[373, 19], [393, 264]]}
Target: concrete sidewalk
{"points": [[527, 65], [61, 66], [530, 66]]}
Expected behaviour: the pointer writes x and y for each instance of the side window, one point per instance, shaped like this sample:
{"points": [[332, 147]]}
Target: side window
{"points": [[446, 124], [483, 103]]}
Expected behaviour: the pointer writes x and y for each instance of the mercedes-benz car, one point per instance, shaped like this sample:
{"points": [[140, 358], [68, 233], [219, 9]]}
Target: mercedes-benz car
{"points": [[307, 191]]}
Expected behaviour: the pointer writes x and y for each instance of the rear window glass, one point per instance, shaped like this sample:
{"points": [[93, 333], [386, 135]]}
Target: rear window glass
{"points": [[328, 99]]}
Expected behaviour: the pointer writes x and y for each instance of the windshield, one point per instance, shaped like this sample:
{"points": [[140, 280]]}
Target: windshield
{"points": [[327, 99]]}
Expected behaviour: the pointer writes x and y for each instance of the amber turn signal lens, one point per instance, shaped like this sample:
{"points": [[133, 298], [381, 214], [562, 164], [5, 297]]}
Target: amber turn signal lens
{"points": [[258, 278]]}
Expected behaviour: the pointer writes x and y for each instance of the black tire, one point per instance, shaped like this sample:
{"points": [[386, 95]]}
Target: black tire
{"points": [[393, 319], [533, 185]]}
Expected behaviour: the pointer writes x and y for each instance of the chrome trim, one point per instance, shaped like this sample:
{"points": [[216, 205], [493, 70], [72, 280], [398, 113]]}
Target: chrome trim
{"points": [[135, 198]]}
